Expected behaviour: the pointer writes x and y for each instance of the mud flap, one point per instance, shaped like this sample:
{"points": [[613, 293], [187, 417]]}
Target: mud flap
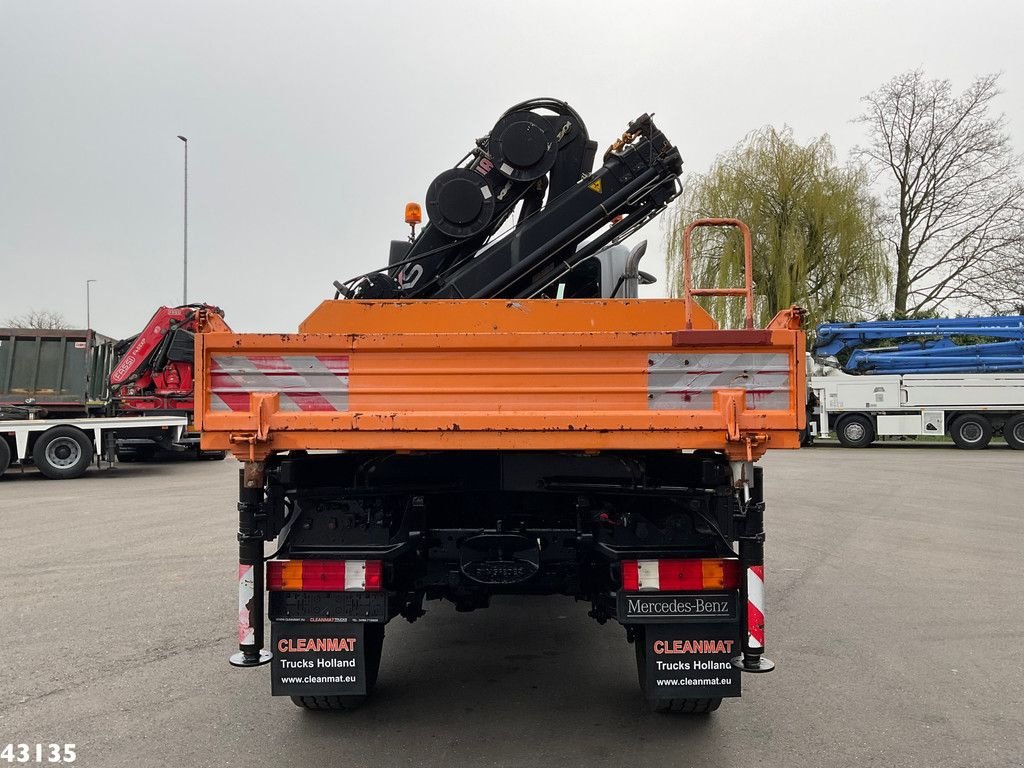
{"points": [[688, 661], [318, 659]]}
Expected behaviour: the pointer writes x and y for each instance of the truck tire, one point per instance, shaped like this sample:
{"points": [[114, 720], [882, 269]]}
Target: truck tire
{"points": [[5, 455], [855, 431], [687, 706], [972, 431], [373, 637], [679, 706], [62, 453], [1013, 432]]}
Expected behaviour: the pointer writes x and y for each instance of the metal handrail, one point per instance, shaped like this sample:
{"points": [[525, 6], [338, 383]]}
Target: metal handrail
{"points": [[689, 291]]}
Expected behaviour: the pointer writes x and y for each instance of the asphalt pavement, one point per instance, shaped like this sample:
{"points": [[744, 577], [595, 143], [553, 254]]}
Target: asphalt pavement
{"points": [[894, 579]]}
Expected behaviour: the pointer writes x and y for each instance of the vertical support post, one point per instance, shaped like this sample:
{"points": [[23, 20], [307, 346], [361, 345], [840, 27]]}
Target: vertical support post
{"points": [[250, 570], [752, 592], [184, 279]]}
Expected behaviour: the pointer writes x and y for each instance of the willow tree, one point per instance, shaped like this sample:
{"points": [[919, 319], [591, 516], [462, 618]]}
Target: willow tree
{"points": [[817, 240]]}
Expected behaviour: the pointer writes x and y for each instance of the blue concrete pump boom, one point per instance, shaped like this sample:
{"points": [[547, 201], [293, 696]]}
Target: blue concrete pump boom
{"points": [[926, 346]]}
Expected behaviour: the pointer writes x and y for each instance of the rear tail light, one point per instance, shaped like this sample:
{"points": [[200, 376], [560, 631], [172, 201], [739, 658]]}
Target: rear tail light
{"points": [[671, 575], [324, 575]]}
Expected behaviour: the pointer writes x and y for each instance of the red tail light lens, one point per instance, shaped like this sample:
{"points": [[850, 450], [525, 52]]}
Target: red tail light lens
{"points": [[325, 575], [373, 576], [680, 575], [630, 576]]}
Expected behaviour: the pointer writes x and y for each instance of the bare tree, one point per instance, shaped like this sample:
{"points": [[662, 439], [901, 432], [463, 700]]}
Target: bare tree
{"points": [[40, 319], [958, 198]]}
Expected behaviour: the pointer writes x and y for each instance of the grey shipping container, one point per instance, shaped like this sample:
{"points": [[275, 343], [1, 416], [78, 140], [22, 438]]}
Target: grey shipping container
{"points": [[53, 373]]}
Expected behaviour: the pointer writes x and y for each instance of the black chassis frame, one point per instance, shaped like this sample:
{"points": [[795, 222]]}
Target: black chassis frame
{"points": [[468, 525]]}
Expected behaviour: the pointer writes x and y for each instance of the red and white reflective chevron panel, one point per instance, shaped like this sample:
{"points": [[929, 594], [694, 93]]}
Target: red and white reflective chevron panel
{"points": [[755, 607], [685, 381], [304, 382], [246, 591]]}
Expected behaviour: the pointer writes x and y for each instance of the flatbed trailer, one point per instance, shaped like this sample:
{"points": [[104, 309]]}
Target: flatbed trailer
{"points": [[64, 448], [399, 451]]}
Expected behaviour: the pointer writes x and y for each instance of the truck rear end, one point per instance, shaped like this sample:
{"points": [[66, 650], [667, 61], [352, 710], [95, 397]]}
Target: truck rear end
{"points": [[398, 452]]}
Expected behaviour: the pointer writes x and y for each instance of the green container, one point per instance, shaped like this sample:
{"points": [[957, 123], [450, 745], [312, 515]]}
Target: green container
{"points": [[53, 373]]}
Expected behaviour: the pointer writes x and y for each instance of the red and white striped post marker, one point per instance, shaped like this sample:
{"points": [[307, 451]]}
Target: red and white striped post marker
{"points": [[752, 563], [251, 652]]}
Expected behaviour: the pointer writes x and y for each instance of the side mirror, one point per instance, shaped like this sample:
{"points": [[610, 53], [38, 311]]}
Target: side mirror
{"points": [[646, 278]]}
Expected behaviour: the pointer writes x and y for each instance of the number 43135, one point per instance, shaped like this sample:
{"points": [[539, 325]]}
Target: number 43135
{"points": [[38, 753]]}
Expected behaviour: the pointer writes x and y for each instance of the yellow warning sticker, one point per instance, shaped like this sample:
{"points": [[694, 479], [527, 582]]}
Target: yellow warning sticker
{"points": [[596, 186]]}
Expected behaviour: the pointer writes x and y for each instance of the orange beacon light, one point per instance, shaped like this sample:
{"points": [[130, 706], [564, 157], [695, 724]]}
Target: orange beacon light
{"points": [[413, 216]]}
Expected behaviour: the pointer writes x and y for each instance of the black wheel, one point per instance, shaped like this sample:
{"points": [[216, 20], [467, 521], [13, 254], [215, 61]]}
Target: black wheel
{"points": [[1013, 432], [855, 431], [213, 455], [5, 455], [62, 453], [971, 431], [806, 438], [680, 706], [687, 706], [373, 638]]}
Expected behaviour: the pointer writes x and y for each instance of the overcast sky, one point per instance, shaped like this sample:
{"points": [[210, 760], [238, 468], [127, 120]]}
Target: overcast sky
{"points": [[311, 124]]}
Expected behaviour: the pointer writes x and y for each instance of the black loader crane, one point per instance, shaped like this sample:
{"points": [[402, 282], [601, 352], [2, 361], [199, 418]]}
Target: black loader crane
{"points": [[537, 156]]}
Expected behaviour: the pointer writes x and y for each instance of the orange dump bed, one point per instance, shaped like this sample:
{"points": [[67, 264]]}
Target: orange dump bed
{"points": [[497, 374]]}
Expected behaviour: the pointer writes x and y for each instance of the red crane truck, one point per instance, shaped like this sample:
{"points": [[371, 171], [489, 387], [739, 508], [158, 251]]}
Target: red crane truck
{"points": [[68, 398]]}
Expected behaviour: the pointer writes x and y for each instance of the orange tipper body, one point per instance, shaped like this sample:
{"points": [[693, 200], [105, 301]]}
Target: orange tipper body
{"points": [[577, 375], [407, 445]]}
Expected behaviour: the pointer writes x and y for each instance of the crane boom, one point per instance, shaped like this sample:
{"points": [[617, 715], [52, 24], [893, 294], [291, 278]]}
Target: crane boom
{"points": [[927, 346], [537, 157]]}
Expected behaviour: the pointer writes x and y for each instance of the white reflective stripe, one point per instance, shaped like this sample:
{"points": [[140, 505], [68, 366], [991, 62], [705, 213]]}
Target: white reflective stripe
{"points": [[647, 575], [686, 380], [246, 592], [331, 384], [755, 589], [355, 575]]}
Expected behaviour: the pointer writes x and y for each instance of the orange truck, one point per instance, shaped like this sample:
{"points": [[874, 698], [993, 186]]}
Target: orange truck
{"points": [[428, 435]]}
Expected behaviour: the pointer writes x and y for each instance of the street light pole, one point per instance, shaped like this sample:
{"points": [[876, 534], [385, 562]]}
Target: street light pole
{"points": [[88, 308], [184, 282]]}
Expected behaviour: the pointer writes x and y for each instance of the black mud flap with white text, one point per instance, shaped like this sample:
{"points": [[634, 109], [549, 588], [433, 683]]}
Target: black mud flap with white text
{"points": [[690, 661], [317, 659]]}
